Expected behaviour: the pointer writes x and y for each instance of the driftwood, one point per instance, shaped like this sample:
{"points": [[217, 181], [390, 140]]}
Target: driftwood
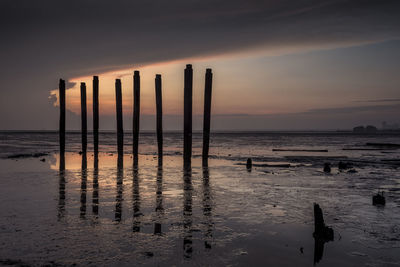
{"points": [[299, 150], [322, 233]]}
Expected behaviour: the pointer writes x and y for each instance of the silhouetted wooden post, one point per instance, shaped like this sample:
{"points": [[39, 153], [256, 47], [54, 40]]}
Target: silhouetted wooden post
{"points": [[120, 129], [83, 117], [96, 114], [136, 114], [62, 115], [159, 117], [207, 115], [187, 124]]}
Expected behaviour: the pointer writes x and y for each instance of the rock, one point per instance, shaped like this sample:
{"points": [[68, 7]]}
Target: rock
{"points": [[343, 165], [80, 152], [149, 254], [42, 160], [378, 199], [352, 171], [327, 167]]}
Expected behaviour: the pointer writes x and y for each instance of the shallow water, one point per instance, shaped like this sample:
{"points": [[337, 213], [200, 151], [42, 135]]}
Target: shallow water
{"points": [[111, 213]]}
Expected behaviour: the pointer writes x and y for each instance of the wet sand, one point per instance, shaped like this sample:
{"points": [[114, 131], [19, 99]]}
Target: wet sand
{"points": [[111, 213]]}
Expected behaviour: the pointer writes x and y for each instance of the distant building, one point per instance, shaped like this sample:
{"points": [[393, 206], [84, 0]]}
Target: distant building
{"points": [[367, 129], [371, 129], [359, 129], [387, 126]]}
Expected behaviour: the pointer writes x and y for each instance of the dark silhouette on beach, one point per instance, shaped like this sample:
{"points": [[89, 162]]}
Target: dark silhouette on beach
{"points": [[322, 233]]}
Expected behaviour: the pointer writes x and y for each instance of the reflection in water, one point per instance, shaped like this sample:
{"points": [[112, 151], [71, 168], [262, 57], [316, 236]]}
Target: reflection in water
{"points": [[61, 187], [95, 195], [120, 178], [187, 212], [159, 200], [207, 208], [136, 200], [83, 185]]}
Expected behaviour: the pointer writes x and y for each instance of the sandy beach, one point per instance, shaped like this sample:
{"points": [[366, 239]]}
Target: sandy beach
{"points": [[111, 213]]}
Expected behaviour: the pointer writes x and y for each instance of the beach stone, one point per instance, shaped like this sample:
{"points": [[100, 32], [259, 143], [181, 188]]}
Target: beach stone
{"points": [[343, 165], [327, 167], [378, 199]]}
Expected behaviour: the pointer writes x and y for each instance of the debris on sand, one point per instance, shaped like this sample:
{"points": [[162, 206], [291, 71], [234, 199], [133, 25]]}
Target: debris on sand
{"points": [[378, 199], [321, 231], [31, 155], [322, 234], [299, 150], [384, 145], [327, 167]]}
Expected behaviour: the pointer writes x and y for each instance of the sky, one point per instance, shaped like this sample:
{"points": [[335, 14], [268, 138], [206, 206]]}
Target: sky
{"points": [[277, 65]]}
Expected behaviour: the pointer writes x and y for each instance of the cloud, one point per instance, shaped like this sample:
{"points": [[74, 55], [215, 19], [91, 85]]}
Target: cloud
{"points": [[45, 40], [379, 100]]}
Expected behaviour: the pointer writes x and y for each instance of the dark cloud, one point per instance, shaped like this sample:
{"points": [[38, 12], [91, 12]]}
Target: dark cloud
{"points": [[42, 41], [379, 100]]}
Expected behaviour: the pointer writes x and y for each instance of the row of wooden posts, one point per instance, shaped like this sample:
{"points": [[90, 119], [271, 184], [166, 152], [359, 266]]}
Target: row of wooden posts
{"points": [[188, 100]]}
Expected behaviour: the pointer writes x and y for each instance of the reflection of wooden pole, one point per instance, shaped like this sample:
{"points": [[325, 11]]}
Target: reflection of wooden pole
{"points": [[83, 117], [120, 129], [187, 124], [62, 115], [96, 114], [136, 114], [207, 115], [159, 117]]}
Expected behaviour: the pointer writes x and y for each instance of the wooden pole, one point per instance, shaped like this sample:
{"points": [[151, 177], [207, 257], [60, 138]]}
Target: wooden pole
{"points": [[187, 124], [207, 115], [159, 118], [62, 116], [120, 129], [136, 114], [83, 117], [96, 114]]}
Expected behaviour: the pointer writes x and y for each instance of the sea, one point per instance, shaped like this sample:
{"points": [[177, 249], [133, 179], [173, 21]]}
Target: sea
{"points": [[87, 209]]}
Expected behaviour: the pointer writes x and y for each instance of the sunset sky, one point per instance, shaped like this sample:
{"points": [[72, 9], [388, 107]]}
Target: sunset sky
{"points": [[278, 65]]}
